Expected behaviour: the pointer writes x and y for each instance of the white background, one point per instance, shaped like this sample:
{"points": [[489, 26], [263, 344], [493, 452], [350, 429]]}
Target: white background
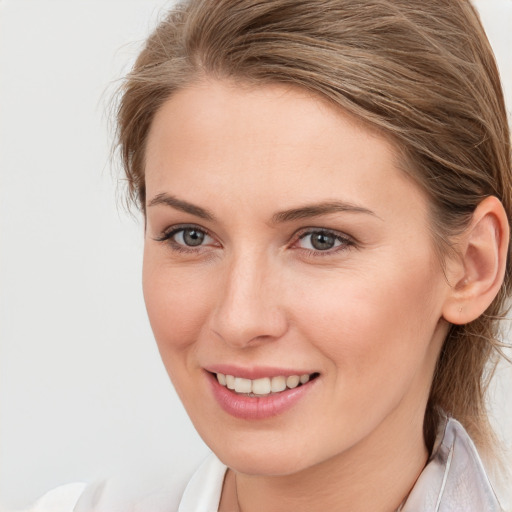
{"points": [[83, 393]]}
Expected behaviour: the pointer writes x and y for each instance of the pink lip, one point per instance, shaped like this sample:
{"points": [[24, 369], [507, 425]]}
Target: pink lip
{"points": [[257, 408], [256, 372]]}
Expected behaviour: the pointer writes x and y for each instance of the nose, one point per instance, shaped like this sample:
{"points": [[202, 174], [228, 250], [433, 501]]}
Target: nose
{"points": [[249, 310]]}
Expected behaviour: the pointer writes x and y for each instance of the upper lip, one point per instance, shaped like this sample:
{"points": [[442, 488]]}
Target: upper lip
{"points": [[255, 372]]}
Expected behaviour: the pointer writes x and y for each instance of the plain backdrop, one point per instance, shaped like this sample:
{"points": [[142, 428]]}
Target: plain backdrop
{"points": [[83, 393]]}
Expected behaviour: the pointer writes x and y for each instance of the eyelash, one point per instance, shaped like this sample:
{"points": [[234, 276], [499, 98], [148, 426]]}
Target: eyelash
{"points": [[167, 237], [346, 242]]}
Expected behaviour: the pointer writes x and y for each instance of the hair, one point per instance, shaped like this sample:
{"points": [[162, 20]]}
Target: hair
{"points": [[421, 73]]}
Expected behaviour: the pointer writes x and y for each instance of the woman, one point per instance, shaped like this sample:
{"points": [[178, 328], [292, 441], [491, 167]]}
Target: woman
{"points": [[327, 193]]}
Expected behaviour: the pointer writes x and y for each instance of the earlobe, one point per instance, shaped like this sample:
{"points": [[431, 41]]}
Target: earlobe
{"points": [[481, 268]]}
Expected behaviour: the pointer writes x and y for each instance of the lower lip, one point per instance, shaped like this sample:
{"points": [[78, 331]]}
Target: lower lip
{"points": [[257, 408]]}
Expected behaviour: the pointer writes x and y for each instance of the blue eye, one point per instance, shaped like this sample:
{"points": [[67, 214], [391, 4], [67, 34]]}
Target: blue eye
{"points": [[322, 240]]}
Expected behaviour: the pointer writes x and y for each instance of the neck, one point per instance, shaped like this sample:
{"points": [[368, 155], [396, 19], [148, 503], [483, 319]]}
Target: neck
{"points": [[375, 475]]}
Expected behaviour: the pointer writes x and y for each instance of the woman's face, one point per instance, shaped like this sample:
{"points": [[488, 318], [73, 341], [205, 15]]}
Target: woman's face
{"points": [[282, 241]]}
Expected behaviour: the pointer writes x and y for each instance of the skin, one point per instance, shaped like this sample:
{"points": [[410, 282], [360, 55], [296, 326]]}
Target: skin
{"points": [[366, 314]]}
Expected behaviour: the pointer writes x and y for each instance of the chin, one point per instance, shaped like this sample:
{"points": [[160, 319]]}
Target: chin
{"points": [[268, 457], [265, 464]]}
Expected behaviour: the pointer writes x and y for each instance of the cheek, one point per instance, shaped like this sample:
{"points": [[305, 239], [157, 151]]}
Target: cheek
{"points": [[372, 325], [177, 302]]}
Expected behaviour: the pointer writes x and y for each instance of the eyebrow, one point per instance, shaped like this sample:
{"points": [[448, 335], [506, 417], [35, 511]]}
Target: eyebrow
{"points": [[317, 209], [303, 212], [180, 204]]}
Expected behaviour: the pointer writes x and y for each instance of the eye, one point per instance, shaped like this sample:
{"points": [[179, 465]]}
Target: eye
{"points": [[322, 241], [186, 238], [190, 237]]}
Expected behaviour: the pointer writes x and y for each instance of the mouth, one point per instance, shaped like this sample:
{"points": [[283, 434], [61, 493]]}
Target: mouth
{"points": [[263, 387], [259, 393]]}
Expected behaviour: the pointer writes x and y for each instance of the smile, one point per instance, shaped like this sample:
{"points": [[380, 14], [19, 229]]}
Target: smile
{"points": [[264, 386], [262, 397]]}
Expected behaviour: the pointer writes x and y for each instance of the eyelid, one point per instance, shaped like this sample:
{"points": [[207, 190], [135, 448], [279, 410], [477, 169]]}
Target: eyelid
{"points": [[314, 229], [171, 230], [167, 234], [347, 241]]}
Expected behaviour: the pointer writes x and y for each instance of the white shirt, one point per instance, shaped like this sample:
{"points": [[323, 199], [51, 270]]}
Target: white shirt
{"points": [[453, 480]]}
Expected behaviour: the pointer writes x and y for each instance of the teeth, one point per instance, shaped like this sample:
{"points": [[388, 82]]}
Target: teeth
{"points": [[263, 386], [278, 384], [230, 381], [292, 381], [304, 378], [243, 385]]}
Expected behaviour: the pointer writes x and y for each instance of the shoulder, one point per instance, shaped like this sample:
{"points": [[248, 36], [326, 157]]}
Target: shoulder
{"points": [[454, 478], [108, 496], [60, 499], [205, 487], [200, 494]]}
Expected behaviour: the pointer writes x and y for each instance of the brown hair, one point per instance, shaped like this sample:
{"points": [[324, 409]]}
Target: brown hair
{"points": [[423, 73]]}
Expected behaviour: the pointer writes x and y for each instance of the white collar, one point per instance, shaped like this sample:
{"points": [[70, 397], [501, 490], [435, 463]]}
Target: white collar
{"points": [[453, 480]]}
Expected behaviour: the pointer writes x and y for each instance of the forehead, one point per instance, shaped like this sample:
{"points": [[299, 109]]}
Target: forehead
{"points": [[270, 142]]}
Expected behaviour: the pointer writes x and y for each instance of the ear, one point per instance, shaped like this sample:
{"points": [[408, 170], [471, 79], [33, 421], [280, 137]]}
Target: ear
{"points": [[478, 275]]}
